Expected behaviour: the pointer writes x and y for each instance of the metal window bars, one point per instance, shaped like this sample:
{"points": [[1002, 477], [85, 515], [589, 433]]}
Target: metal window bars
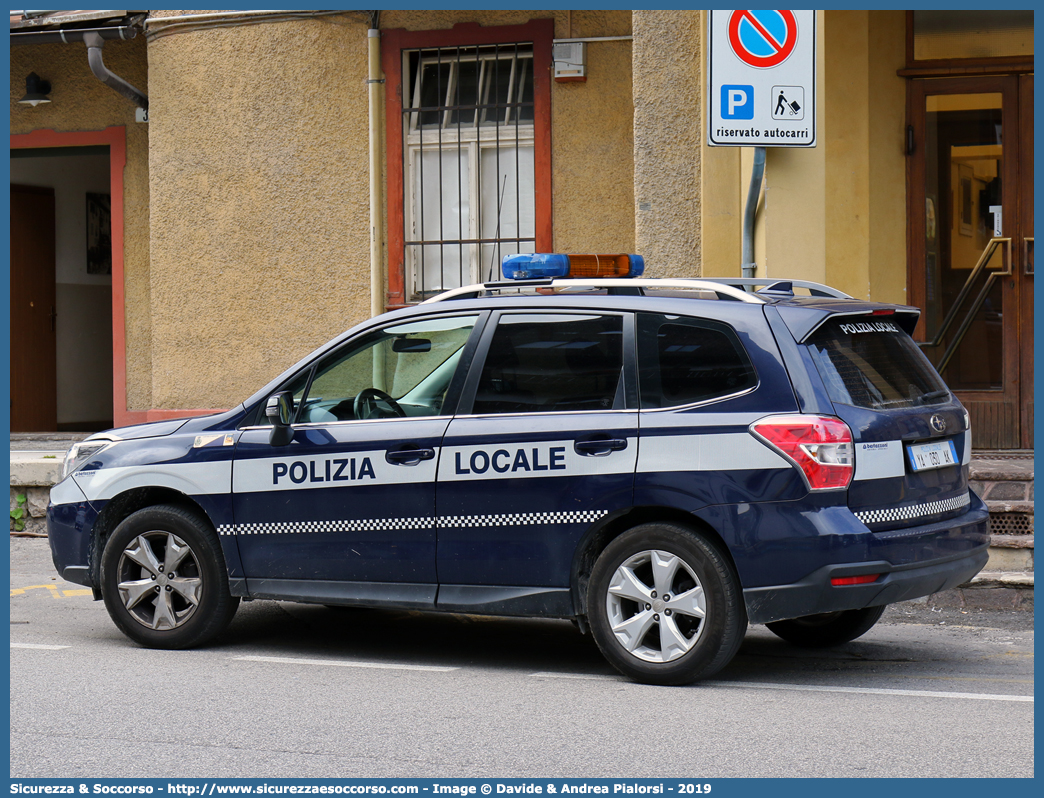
{"points": [[468, 122]]}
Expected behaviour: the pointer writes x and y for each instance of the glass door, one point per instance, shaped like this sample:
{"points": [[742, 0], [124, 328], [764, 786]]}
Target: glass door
{"points": [[967, 247]]}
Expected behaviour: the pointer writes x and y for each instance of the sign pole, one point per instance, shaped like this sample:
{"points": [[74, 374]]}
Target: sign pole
{"points": [[761, 91], [753, 194]]}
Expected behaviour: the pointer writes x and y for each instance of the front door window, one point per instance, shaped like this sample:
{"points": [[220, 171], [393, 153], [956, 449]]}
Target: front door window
{"points": [[351, 498]]}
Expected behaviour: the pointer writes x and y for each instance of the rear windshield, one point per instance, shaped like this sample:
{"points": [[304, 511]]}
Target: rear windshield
{"points": [[874, 364]]}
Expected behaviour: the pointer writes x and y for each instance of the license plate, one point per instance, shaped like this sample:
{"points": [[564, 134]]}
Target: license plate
{"points": [[925, 456]]}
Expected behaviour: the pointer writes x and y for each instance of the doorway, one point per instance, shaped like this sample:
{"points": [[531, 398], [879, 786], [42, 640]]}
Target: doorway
{"points": [[61, 290], [33, 310], [970, 266]]}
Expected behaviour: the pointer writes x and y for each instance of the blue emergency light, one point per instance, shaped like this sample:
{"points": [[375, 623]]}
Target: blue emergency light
{"points": [[542, 265]]}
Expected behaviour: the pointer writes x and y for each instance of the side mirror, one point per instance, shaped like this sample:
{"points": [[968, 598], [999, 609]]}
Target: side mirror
{"points": [[280, 410]]}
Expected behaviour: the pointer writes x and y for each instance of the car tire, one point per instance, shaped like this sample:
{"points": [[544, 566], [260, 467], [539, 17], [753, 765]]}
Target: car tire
{"points": [[164, 580], [692, 633], [827, 629]]}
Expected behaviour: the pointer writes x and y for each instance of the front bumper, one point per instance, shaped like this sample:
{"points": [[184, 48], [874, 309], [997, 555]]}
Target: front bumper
{"points": [[814, 593], [70, 518]]}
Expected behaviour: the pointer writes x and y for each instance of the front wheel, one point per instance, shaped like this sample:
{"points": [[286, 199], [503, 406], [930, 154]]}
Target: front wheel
{"points": [[828, 628], [164, 580], [665, 605]]}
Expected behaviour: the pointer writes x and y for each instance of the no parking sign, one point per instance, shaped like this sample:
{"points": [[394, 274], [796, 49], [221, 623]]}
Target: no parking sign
{"points": [[761, 79]]}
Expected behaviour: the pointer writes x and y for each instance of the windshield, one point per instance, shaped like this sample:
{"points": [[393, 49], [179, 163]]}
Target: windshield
{"points": [[874, 364]]}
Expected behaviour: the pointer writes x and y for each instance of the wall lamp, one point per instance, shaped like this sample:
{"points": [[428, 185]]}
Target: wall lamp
{"points": [[36, 90]]}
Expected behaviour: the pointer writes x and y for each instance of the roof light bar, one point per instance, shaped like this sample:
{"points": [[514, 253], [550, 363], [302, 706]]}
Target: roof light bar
{"points": [[543, 265]]}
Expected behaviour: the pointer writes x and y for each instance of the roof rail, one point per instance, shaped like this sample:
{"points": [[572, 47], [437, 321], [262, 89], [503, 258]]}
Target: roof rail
{"points": [[781, 285], [720, 288]]}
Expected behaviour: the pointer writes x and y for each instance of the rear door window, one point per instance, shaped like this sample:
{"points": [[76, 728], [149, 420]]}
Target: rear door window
{"points": [[874, 364], [553, 362], [684, 361]]}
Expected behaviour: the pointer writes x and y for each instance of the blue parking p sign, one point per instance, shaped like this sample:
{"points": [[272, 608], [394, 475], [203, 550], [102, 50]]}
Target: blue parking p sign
{"points": [[737, 102]]}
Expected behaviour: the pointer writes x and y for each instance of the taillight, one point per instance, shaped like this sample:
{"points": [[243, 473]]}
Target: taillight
{"points": [[821, 446], [865, 579]]}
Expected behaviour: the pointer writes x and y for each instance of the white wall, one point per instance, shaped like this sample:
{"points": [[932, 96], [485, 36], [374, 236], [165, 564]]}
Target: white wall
{"points": [[84, 301]]}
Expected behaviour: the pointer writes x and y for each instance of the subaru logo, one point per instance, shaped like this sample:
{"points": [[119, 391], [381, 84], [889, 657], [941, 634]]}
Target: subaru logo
{"points": [[938, 423]]}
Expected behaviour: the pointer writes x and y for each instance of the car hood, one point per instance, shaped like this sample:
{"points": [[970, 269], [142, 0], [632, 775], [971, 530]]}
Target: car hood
{"points": [[153, 429]]}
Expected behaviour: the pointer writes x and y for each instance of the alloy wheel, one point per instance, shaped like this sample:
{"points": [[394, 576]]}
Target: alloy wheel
{"points": [[656, 606], [159, 580]]}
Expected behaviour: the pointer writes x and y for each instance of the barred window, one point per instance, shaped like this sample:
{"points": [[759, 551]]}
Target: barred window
{"points": [[468, 163]]}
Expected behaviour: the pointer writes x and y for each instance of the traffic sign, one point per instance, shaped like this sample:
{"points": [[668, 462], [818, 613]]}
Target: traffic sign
{"points": [[762, 38], [761, 78]]}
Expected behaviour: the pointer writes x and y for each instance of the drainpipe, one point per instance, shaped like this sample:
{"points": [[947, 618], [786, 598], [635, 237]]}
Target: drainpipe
{"points": [[753, 193], [94, 43], [374, 82]]}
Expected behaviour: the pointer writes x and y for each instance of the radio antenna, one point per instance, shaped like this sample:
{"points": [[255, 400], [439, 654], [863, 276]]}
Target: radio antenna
{"points": [[500, 206]]}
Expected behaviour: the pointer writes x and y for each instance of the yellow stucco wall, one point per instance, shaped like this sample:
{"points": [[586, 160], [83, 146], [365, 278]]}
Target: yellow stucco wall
{"points": [[835, 213], [80, 102], [793, 218], [887, 98], [259, 171], [260, 202], [667, 89], [722, 200]]}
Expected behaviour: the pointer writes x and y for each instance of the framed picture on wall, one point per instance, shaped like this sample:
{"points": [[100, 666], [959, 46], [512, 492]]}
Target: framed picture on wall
{"points": [[99, 234]]}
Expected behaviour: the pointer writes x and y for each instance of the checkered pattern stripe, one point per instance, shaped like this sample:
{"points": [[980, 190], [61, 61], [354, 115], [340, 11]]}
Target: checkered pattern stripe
{"points": [[296, 527], [914, 510], [381, 524], [522, 519]]}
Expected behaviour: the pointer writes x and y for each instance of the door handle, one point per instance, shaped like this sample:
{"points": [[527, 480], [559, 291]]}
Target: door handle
{"points": [[599, 447], [408, 456]]}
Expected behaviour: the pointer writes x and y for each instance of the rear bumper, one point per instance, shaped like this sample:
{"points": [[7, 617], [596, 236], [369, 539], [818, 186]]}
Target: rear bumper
{"points": [[815, 594]]}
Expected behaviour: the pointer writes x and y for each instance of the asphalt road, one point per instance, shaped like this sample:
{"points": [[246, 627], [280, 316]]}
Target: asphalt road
{"points": [[307, 691]]}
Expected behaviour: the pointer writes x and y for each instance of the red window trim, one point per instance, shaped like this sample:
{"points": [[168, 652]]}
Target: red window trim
{"points": [[538, 31]]}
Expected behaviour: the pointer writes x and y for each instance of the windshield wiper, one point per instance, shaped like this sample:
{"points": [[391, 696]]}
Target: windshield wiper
{"points": [[929, 397]]}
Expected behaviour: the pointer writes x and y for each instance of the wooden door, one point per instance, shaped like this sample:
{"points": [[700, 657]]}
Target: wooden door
{"points": [[967, 187], [34, 403], [1026, 253]]}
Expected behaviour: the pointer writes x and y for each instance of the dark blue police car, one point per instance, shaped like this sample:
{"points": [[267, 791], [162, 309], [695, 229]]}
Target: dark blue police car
{"points": [[661, 461]]}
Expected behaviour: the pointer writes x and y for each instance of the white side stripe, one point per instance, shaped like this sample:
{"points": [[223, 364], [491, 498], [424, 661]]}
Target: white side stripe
{"points": [[341, 470], [40, 646], [193, 479], [732, 451], [530, 459]]}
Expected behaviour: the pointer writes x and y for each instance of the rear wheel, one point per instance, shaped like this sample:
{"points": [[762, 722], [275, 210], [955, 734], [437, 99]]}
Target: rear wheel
{"points": [[665, 605], [164, 580], [827, 629]]}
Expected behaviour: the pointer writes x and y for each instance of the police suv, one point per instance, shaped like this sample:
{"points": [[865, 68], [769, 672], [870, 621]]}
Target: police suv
{"points": [[661, 461]]}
